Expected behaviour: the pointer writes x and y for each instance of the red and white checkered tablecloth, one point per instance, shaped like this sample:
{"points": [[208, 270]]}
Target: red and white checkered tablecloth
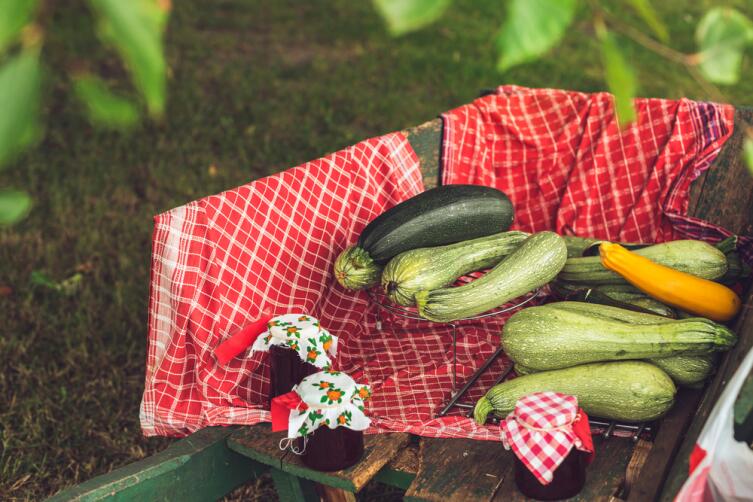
{"points": [[219, 261]]}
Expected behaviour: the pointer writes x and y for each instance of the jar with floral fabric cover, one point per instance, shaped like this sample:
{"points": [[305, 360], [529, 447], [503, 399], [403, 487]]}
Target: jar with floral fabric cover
{"points": [[298, 346], [325, 419]]}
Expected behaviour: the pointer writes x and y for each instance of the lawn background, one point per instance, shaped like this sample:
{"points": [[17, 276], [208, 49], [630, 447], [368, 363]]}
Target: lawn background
{"points": [[255, 87]]}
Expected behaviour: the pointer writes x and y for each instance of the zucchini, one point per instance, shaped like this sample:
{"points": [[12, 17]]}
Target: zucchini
{"points": [[564, 334], [536, 262], [437, 267], [629, 391], [688, 371], [694, 257], [442, 215], [611, 294]]}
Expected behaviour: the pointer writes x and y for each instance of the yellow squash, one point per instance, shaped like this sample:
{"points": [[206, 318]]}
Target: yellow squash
{"points": [[679, 289]]}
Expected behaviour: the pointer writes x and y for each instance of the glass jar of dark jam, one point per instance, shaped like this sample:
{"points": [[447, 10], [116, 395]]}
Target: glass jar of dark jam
{"points": [[331, 449], [286, 371], [567, 482]]}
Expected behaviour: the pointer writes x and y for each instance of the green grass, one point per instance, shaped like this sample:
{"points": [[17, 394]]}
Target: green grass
{"points": [[255, 87]]}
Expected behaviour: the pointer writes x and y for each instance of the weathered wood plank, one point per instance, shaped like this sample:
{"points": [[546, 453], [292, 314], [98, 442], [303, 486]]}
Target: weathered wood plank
{"points": [[744, 411], [458, 470], [723, 197], [722, 194], [671, 431], [727, 366], [402, 469], [259, 443], [604, 478], [426, 140], [379, 449], [199, 467]]}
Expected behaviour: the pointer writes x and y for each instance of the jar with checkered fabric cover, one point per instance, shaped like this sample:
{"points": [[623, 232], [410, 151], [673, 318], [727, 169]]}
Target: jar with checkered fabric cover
{"points": [[551, 439]]}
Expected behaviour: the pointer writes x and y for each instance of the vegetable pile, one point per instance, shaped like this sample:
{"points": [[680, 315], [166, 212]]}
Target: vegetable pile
{"points": [[633, 321]]}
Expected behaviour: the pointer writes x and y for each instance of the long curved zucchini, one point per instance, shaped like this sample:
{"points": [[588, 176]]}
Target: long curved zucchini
{"points": [[437, 267], [536, 262], [631, 391], [694, 257], [563, 334], [442, 215]]}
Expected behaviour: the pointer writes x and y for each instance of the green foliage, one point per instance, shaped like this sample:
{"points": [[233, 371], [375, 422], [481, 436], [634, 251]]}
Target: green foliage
{"points": [[14, 205], [649, 16], [135, 29], [620, 77], [14, 15], [102, 106], [20, 79], [722, 36], [403, 16], [532, 28], [748, 152]]}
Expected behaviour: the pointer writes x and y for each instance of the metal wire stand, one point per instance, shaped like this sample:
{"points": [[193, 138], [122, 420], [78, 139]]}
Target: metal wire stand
{"points": [[377, 297]]}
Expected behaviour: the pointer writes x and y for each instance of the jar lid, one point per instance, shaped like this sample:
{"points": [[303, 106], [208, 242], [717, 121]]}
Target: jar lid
{"points": [[301, 333], [330, 398]]}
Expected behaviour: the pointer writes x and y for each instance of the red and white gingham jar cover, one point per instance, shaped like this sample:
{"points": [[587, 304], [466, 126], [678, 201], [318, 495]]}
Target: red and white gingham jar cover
{"points": [[540, 432]]}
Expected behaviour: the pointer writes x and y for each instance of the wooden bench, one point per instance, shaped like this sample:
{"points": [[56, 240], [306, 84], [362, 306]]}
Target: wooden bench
{"points": [[213, 461]]}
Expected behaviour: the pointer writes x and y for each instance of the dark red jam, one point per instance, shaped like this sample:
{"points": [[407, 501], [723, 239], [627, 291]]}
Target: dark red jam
{"points": [[286, 370], [332, 449], [567, 482]]}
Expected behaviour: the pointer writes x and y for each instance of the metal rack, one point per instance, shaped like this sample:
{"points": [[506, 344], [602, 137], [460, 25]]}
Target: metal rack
{"points": [[378, 298]]}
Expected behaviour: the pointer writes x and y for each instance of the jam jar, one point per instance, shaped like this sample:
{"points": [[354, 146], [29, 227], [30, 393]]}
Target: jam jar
{"points": [[286, 370], [567, 482]]}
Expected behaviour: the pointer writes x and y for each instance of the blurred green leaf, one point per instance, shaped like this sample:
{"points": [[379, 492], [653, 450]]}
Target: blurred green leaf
{"points": [[620, 77], [532, 27], [103, 106], [748, 153], [66, 286], [19, 103], [649, 16], [14, 205], [403, 16], [722, 36], [135, 29], [15, 15]]}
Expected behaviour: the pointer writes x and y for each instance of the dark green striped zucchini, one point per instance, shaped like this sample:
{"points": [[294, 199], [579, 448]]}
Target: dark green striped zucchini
{"points": [[442, 215], [694, 257], [536, 262], [563, 334], [617, 295], [433, 268], [630, 391]]}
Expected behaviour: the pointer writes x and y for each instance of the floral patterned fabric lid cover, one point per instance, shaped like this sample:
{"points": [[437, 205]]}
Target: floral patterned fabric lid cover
{"points": [[301, 333], [331, 398]]}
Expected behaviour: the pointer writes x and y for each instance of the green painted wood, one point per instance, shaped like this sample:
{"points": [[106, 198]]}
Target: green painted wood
{"points": [[198, 468], [744, 411], [426, 140], [261, 444], [398, 479], [722, 196], [293, 489]]}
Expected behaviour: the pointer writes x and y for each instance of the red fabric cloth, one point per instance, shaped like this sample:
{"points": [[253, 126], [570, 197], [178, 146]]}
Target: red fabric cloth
{"points": [[541, 431], [218, 262], [282, 406]]}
